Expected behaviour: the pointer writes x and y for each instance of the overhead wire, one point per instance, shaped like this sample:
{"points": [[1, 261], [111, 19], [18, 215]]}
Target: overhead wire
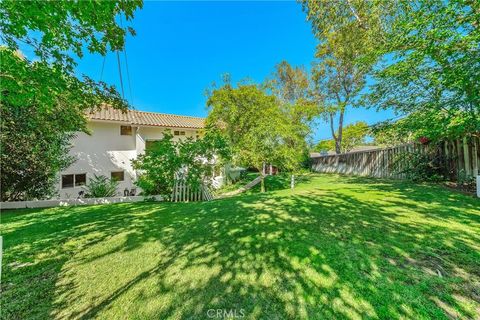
{"points": [[103, 67], [120, 73], [126, 63]]}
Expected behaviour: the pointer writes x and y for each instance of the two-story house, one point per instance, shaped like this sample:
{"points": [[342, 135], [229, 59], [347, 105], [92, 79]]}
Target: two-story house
{"points": [[116, 138]]}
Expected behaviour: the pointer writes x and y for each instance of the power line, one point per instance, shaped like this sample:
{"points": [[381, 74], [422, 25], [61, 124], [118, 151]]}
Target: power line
{"points": [[126, 61], [120, 73], [103, 66]]}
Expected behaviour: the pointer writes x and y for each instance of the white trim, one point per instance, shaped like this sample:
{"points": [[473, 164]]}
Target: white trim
{"points": [[72, 202]]}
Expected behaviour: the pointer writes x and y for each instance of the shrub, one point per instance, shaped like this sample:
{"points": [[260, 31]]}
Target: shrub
{"points": [[101, 187], [419, 167], [167, 160]]}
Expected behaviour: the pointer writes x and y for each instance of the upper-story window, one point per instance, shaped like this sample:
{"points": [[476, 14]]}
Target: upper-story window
{"points": [[178, 133], [126, 130]]}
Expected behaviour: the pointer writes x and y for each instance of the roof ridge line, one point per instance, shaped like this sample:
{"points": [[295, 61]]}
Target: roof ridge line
{"points": [[167, 114]]}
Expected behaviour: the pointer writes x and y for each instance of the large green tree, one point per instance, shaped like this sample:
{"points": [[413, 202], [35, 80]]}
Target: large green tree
{"points": [[253, 124], [293, 89], [348, 32], [41, 96], [431, 68]]}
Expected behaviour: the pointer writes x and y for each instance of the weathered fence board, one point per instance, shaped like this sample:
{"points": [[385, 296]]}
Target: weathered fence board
{"points": [[184, 193], [459, 156]]}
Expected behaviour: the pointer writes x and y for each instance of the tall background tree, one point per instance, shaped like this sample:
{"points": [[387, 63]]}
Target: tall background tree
{"points": [[422, 58], [251, 121], [430, 69], [42, 101], [354, 135], [292, 87], [348, 32]]}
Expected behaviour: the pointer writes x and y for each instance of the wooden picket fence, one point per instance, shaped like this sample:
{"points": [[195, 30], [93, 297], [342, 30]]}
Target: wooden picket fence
{"points": [[184, 193], [460, 156]]}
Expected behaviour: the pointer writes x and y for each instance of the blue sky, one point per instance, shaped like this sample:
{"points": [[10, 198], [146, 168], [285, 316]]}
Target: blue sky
{"points": [[181, 48]]}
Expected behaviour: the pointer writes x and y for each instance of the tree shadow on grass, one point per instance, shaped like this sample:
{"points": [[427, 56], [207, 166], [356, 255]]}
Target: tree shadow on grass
{"points": [[311, 254]]}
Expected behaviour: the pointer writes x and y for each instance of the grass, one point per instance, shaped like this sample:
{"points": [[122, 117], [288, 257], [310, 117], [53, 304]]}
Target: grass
{"points": [[249, 176], [335, 247]]}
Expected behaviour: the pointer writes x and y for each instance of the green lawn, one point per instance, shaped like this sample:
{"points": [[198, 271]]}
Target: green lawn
{"points": [[336, 247]]}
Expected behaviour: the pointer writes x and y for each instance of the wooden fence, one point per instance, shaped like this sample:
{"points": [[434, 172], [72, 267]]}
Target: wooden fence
{"points": [[184, 193], [457, 157]]}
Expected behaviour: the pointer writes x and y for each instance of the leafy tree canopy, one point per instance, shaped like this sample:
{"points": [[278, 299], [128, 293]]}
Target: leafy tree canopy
{"points": [[354, 135], [42, 101], [348, 32], [431, 68], [249, 118]]}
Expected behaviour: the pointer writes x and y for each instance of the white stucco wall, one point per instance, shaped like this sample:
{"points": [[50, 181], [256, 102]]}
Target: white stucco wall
{"points": [[100, 153], [106, 150], [155, 133]]}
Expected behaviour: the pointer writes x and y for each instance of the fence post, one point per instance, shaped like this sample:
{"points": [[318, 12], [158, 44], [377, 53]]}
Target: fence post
{"points": [[478, 186]]}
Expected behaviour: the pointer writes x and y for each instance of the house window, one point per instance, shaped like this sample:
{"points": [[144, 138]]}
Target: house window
{"points": [[126, 130], [182, 133], [71, 180], [176, 133], [117, 175], [149, 144], [80, 179]]}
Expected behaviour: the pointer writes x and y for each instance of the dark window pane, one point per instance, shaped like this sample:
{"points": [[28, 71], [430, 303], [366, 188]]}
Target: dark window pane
{"points": [[176, 133], [182, 133], [126, 130], [67, 181], [80, 179], [117, 176], [149, 144]]}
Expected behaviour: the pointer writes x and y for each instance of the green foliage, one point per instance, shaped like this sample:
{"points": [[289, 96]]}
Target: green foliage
{"points": [[266, 124], [55, 29], [348, 32], [324, 146], [250, 120], [353, 135], [158, 167], [33, 150], [419, 167], [293, 89], [167, 160], [431, 68], [344, 247], [389, 133], [43, 100], [101, 187]]}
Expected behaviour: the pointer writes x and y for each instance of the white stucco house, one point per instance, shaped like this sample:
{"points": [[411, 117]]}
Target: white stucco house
{"points": [[116, 138]]}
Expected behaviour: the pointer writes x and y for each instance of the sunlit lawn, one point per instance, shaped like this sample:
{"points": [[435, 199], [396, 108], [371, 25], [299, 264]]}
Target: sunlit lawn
{"points": [[334, 248]]}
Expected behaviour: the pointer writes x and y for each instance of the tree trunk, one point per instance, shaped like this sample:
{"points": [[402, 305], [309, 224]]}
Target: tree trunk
{"points": [[262, 184], [292, 182], [337, 137], [338, 143]]}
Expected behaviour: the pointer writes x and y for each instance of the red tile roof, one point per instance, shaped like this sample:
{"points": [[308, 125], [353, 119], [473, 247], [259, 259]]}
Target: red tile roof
{"points": [[134, 117]]}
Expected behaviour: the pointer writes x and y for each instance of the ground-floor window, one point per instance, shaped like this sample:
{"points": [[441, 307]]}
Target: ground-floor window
{"points": [[117, 175], [74, 180]]}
